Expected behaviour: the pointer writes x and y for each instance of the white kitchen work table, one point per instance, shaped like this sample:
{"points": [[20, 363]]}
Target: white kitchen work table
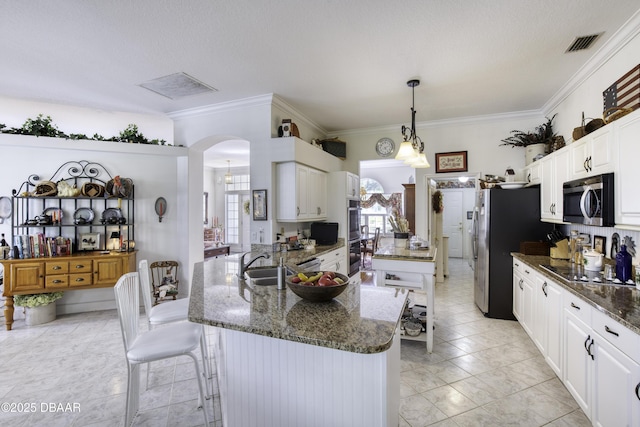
{"points": [[409, 269]]}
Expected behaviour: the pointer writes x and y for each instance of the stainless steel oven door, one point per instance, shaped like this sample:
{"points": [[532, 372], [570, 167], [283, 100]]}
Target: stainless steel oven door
{"points": [[354, 219]]}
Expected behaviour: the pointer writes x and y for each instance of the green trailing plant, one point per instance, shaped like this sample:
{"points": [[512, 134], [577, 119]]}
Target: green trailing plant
{"points": [[543, 134], [44, 126], [36, 300]]}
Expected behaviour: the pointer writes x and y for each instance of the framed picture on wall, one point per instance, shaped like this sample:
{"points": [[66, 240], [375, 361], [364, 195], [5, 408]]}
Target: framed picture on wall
{"points": [[599, 243], [259, 205], [455, 161]]}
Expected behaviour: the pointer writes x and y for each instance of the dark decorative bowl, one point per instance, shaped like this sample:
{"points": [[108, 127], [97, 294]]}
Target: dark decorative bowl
{"points": [[317, 293]]}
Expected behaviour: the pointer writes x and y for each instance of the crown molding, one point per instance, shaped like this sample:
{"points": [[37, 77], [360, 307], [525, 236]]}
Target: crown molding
{"points": [[255, 101], [441, 123], [288, 108], [620, 39]]}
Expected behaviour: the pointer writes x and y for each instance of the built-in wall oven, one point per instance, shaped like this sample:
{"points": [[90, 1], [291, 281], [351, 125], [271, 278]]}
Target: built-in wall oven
{"points": [[353, 223]]}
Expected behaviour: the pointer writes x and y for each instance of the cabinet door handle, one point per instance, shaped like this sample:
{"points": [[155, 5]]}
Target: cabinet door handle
{"points": [[529, 177], [297, 210], [544, 289], [575, 306], [612, 332], [57, 267], [589, 349], [79, 279], [520, 284], [57, 281], [584, 164], [585, 343], [79, 266], [638, 391], [590, 164]]}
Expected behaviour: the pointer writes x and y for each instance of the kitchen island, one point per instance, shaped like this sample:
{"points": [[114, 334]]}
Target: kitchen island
{"points": [[283, 361], [408, 269]]}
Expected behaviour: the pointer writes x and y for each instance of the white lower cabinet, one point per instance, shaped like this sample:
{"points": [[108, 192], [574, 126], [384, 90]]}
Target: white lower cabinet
{"points": [[577, 360], [547, 324], [596, 357], [334, 261]]}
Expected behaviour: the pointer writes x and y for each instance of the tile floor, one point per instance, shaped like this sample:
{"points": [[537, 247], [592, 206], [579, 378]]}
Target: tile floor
{"points": [[483, 372]]}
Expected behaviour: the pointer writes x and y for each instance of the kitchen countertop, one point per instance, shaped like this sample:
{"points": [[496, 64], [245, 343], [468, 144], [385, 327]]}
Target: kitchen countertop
{"points": [[392, 252], [621, 303], [363, 319], [291, 258]]}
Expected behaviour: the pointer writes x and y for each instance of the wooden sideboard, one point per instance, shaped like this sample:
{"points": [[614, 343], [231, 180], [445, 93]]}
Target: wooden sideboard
{"points": [[90, 270]]}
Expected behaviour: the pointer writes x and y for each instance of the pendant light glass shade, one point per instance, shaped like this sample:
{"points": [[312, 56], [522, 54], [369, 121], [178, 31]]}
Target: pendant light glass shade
{"points": [[412, 148], [405, 151], [420, 161], [228, 178]]}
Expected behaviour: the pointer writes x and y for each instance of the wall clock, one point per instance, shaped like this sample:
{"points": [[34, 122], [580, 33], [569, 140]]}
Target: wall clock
{"points": [[385, 147]]}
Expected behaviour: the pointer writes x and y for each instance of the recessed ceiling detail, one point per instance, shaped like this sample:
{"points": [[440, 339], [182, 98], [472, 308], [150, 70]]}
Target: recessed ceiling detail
{"points": [[583, 42], [178, 85]]}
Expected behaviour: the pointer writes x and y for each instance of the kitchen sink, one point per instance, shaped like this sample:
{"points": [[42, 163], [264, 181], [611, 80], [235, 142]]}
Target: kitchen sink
{"points": [[265, 276], [262, 272]]}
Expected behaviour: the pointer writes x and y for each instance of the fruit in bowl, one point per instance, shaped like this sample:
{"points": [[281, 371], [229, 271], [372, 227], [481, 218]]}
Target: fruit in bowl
{"points": [[319, 286]]}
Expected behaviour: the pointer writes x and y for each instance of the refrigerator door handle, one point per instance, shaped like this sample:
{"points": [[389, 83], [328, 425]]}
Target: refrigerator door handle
{"points": [[474, 233]]}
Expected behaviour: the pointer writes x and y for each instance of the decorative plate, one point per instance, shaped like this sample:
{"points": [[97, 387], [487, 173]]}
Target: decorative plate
{"points": [[5, 208], [83, 216], [56, 214], [112, 216], [512, 185]]}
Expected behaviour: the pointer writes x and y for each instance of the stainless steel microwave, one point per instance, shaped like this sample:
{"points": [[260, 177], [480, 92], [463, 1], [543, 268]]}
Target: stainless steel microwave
{"points": [[589, 201]]}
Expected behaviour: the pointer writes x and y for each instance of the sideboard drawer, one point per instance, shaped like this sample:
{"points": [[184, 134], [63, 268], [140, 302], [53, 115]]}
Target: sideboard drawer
{"points": [[81, 279], [57, 281], [56, 267], [80, 266]]}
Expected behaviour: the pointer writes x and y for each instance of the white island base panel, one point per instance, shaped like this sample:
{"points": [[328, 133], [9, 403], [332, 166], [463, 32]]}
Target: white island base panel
{"points": [[272, 382]]}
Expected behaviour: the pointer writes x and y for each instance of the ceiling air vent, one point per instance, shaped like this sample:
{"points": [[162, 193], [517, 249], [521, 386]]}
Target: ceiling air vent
{"points": [[178, 85], [582, 43]]}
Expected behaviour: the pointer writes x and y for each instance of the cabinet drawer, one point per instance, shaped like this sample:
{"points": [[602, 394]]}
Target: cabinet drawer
{"points": [[80, 266], [57, 267], [57, 281], [620, 336], [578, 307], [81, 279]]}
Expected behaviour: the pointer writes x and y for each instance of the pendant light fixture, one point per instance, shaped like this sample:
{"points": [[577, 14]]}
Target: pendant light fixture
{"points": [[228, 178], [412, 148]]}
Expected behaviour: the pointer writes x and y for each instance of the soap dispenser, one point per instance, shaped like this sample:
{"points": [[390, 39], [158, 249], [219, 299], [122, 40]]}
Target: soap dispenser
{"points": [[282, 273]]}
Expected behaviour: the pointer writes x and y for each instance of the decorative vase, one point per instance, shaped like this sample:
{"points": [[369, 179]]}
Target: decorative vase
{"points": [[623, 264], [531, 151], [40, 314], [400, 240]]}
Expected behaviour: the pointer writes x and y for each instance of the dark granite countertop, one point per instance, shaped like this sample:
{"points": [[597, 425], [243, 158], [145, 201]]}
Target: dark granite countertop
{"points": [[363, 319], [392, 252], [621, 303]]}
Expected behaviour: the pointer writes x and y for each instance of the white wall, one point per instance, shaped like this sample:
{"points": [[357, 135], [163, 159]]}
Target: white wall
{"points": [[154, 172]]}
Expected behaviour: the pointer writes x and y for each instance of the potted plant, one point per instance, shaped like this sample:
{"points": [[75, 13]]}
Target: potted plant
{"points": [[39, 308], [535, 143]]}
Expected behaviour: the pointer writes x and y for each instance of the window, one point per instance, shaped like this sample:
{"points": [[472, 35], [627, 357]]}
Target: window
{"points": [[374, 216], [233, 204]]}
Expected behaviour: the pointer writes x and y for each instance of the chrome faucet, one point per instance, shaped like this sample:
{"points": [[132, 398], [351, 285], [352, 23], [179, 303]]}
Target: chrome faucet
{"points": [[242, 267]]}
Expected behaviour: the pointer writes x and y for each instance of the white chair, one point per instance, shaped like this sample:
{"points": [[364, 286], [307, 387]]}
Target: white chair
{"points": [[152, 345], [169, 312]]}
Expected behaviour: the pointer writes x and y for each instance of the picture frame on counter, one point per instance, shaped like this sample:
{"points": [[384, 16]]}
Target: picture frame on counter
{"points": [[259, 205], [599, 244], [89, 242], [454, 161]]}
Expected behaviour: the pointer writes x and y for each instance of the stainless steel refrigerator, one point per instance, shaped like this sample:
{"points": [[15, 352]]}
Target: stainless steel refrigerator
{"points": [[501, 220]]}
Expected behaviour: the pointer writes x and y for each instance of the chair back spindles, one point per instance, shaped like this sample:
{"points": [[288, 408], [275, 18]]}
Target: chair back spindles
{"points": [[127, 302]]}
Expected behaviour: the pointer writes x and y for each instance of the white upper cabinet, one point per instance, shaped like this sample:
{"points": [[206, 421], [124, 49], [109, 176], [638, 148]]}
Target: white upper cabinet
{"points": [[532, 173], [592, 154], [301, 193], [627, 152], [554, 173]]}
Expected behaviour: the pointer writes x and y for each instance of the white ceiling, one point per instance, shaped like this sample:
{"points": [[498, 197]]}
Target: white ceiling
{"points": [[342, 63]]}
